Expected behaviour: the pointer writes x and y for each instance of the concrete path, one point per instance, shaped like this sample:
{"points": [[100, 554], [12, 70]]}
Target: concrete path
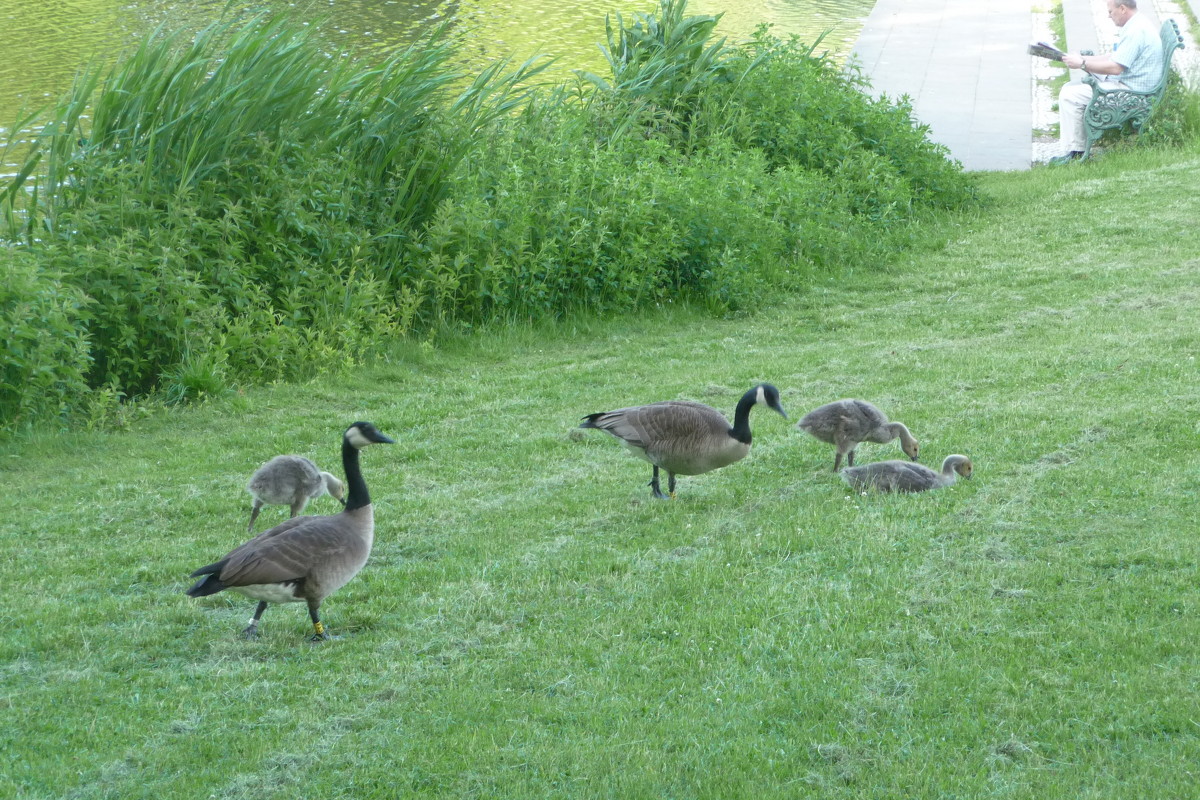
{"points": [[965, 67]]}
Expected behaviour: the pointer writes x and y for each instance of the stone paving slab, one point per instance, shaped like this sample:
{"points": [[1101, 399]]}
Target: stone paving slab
{"points": [[964, 65]]}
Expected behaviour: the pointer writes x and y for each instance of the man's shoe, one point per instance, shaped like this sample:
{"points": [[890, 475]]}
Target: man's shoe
{"points": [[1066, 158]]}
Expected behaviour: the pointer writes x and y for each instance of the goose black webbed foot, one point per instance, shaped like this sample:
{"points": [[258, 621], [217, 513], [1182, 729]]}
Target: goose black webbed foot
{"points": [[319, 633]]}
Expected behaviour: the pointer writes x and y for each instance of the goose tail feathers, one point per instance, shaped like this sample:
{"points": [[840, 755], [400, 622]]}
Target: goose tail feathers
{"points": [[210, 583]]}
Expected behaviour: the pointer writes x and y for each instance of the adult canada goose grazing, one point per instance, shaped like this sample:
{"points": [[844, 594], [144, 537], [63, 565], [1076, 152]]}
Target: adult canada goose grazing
{"points": [[846, 423], [290, 481], [905, 476], [306, 558], [685, 438]]}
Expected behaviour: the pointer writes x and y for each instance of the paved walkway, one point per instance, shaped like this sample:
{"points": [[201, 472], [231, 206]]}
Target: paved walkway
{"points": [[964, 65]]}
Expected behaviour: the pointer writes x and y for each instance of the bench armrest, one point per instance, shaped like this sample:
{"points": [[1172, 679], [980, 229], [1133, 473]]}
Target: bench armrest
{"points": [[1098, 87]]}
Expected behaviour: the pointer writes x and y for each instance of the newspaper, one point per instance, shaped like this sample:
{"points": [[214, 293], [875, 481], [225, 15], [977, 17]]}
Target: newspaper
{"points": [[1043, 50]]}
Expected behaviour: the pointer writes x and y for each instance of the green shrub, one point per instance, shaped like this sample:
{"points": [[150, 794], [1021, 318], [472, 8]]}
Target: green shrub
{"points": [[44, 353], [232, 208], [228, 203], [801, 109], [535, 231], [1176, 119]]}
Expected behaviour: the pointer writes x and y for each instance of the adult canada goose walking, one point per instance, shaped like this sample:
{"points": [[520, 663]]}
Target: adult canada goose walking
{"points": [[290, 481], [846, 423], [306, 558], [905, 476], [685, 438]]}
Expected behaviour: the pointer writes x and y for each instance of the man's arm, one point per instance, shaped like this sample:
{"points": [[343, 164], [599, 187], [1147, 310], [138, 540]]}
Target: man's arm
{"points": [[1097, 65]]}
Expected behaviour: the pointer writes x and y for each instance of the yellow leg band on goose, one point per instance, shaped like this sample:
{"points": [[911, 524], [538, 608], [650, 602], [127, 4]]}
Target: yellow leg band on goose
{"points": [[319, 628]]}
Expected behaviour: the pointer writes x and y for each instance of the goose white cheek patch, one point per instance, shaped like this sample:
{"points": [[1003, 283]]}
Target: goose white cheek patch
{"points": [[355, 437]]}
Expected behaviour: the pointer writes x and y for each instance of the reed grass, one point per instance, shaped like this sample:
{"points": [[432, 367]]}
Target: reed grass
{"points": [[184, 109]]}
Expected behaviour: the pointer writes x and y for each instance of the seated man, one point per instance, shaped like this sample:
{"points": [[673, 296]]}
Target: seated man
{"points": [[1135, 63]]}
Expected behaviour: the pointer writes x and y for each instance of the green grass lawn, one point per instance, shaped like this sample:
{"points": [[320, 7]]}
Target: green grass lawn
{"points": [[533, 624]]}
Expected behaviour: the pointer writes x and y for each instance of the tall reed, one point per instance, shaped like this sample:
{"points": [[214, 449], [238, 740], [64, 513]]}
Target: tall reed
{"points": [[183, 111], [662, 63]]}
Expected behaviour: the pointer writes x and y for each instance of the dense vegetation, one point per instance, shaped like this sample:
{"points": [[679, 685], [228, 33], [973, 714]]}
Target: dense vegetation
{"points": [[238, 207]]}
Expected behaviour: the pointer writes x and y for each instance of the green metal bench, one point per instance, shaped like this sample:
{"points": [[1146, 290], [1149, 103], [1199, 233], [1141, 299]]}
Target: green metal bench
{"points": [[1113, 108]]}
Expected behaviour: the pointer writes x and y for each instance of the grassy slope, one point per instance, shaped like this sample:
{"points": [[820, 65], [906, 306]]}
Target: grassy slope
{"points": [[533, 624]]}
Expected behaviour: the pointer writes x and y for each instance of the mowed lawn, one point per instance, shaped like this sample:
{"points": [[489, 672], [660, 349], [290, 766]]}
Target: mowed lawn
{"points": [[533, 624]]}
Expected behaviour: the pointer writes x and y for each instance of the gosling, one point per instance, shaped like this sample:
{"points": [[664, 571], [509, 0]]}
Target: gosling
{"points": [[904, 476], [846, 423], [290, 481]]}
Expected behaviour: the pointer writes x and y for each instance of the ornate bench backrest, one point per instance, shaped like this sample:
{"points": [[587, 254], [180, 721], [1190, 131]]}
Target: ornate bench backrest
{"points": [[1172, 40]]}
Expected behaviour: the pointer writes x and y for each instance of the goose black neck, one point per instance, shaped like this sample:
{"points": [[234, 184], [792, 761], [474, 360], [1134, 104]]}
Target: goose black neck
{"points": [[357, 495], [741, 417]]}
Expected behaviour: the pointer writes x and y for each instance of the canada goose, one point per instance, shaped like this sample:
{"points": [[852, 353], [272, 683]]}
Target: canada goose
{"points": [[306, 558], [685, 438], [904, 476], [290, 481], [845, 423]]}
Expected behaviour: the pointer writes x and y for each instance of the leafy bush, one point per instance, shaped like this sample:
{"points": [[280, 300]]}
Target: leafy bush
{"points": [[1176, 119], [232, 207], [44, 352], [533, 230], [217, 207], [809, 111]]}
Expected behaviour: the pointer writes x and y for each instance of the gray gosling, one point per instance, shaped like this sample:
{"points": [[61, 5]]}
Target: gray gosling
{"points": [[904, 476], [682, 437], [304, 559], [846, 423], [290, 481]]}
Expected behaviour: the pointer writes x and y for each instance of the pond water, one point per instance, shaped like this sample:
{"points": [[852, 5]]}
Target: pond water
{"points": [[42, 45]]}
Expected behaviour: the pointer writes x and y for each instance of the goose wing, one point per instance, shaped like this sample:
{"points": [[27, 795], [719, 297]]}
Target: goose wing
{"points": [[905, 476], [689, 438], [624, 423], [891, 476], [867, 415], [278, 530], [821, 422], [848, 420], [290, 554], [650, 426], [284, 478]]}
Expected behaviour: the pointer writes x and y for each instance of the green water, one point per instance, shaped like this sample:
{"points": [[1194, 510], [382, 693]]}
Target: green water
{"points": [[42, 45]]}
